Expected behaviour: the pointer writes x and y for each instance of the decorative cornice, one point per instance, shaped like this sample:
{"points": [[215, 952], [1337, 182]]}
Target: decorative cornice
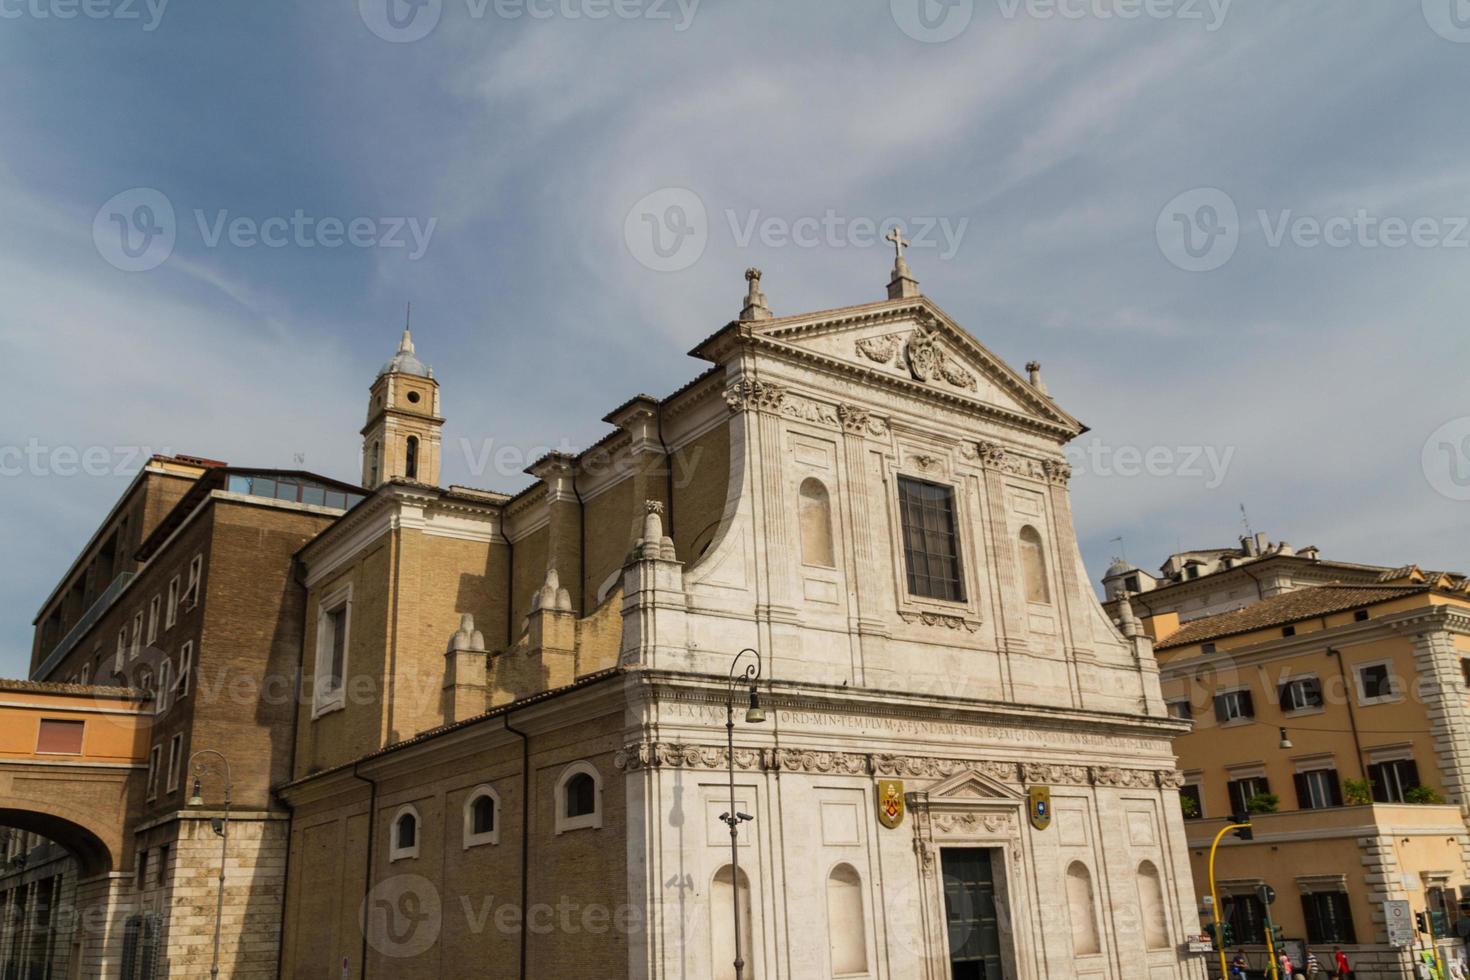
{"points": [[939, 619], [750, 395], [641, 755], [994, 456], [859, 421]]}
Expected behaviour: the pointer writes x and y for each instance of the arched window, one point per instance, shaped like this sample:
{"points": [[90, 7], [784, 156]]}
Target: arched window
{"points": [[846, 930], [722, 897], [816, 525], [481, 817], [1152, 908], [373, 464], [1033, 565], [1083, 909], [578, 798], [404, 842], [411, 458]]}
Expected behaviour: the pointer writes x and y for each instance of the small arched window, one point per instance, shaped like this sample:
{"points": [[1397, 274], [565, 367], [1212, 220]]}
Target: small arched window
{"points": [[411, 458], [816, 525], [1083, 910], [374, 463], [722, 897], [846, 929], [1033, 565], [481, 817], [578, 798], [1151, 907], [404, 842]]}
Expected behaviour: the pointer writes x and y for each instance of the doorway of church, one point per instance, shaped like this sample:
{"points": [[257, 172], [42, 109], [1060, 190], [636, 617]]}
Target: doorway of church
{"points": [[970, 915]]}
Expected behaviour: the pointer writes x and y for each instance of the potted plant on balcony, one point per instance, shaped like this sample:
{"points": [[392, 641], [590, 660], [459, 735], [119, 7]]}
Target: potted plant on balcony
{"points": [[1263, 803]]}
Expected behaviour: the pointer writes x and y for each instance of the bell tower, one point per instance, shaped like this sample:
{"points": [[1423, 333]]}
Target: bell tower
{"points": [[401, 437]]}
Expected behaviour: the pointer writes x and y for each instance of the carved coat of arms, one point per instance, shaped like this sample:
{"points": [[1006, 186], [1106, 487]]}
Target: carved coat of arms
{"points": [[890, 802]]}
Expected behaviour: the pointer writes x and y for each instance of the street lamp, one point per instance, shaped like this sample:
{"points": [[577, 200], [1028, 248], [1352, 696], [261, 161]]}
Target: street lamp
{"points": [[754, 715], [221, 827]]}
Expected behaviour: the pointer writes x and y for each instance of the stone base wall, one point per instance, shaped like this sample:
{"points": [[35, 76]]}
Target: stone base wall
{"points": [[250, 920]]}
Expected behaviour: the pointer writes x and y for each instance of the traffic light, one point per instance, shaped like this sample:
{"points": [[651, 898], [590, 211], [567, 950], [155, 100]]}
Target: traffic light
{"points": [[1278, 936], [1210, 931], [1421, 922], [1245, 832], [1229, 932]]}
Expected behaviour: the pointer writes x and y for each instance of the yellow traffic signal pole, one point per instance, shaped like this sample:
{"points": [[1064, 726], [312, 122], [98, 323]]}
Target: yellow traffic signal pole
{"points": [[1215, 897], [1271, 948]]}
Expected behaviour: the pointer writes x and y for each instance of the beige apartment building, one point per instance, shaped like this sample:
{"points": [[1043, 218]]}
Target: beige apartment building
{"points": [[1331, 702]]}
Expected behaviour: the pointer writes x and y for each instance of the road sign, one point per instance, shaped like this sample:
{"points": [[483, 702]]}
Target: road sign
{"points": [[1266, 894], [1400, 924]]}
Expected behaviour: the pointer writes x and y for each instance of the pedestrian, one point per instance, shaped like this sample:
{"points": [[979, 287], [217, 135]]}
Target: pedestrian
{"points": [[1286, 967], [1457, 968], [1340, 964], [1312, 966], [1237, 966]]}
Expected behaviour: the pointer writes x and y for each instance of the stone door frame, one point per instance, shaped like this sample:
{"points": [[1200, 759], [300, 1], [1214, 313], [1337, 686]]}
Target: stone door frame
{"points": [[971, 810]]}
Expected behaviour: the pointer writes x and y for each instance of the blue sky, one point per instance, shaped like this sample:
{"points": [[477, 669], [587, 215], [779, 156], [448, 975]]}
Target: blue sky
{"points": [[1066, 148]]}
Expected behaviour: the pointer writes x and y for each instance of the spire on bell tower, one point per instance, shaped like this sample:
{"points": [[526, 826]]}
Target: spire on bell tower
{"points": [[401, 438]]}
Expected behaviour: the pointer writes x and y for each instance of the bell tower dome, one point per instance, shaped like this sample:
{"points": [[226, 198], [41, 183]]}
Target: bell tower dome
{"points": [[401, 437]]}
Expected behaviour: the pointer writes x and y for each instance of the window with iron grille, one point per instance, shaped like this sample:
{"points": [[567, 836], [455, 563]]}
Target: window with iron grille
{"points": [[1329, 918], [931, 548]]}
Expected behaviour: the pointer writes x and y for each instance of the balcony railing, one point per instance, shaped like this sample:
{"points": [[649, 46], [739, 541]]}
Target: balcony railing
{"points": [[89, 619]]}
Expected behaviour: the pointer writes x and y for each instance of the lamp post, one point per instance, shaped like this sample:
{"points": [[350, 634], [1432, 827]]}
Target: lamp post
{"points": [[222, 828], [754, 715]]}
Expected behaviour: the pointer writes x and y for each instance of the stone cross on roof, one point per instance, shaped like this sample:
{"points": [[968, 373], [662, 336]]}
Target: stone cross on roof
{"points": [[896, 237], [903, 284]]}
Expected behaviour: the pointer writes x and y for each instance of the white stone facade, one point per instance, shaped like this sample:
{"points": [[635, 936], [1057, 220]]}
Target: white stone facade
{"points": [[1019, 681]]}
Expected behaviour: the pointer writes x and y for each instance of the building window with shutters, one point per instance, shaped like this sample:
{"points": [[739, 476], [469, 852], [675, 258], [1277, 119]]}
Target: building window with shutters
{"points": [[1191, 801], [1393, 780], [1301, 694], [1375, 683], [1247, 919], [1245, 789], [1329, 918], [1318, 789], [931, 544], [1234, 706]]}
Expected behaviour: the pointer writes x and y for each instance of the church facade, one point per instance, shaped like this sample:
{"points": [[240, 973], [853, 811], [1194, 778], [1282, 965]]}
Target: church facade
{"points": [[855, 527]]}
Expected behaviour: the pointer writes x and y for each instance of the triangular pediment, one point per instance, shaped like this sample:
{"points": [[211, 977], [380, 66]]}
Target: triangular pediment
{"points": [[970, 786], [912, 342]]}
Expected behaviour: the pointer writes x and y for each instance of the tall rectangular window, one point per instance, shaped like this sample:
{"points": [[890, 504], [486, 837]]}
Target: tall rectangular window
{"points": [[155, 758], [1318, 789], [175, 750], [154, 605], [1234, 706], [1242, 791], [931, 548], [171, 609], [186, 666], [1392, 781], [1329, 918], [337, 627]]}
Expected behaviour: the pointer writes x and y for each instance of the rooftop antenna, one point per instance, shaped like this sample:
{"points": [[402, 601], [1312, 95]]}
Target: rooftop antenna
{"points": [[1122, 549], [1245, 522]]}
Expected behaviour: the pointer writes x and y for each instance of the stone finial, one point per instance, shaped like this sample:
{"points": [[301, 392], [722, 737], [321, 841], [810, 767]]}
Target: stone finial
{"points": [[551, 596], [903, 284], [1128, 622], [1033, 368], [467, 638], [755, 300], [654, 544]]}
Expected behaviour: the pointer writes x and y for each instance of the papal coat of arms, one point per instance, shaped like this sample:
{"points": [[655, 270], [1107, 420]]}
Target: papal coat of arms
{"points": [[1039, 805], [890, 802]]}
